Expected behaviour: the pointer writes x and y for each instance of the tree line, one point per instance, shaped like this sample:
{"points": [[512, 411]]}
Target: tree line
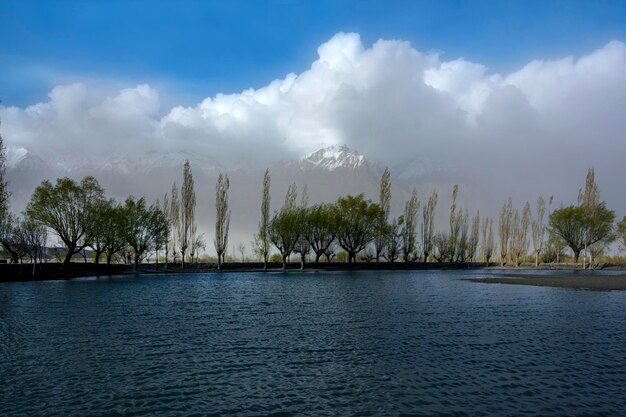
{"points": [[81, 216]]}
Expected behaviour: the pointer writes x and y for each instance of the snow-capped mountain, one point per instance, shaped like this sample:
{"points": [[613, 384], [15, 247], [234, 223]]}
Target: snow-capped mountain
{"points": [[332, 158]]}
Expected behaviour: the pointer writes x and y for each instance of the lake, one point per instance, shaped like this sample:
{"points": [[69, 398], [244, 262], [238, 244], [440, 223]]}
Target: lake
{"points": [[313, 343]]}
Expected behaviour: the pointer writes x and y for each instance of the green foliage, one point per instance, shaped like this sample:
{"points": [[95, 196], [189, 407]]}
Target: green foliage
{"points": [[143, 227], [621, 230], [320, 222], [356, 222], [68, 209], [275, 258], [581, 227], [284, 231]]}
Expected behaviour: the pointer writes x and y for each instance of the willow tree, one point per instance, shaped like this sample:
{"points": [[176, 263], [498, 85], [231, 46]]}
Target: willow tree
{"points": [[504, 229], [356, 220], [102, 227], [428, 225], [68, 209], [408, 231], [261, 239], [285, 228], [143, 227], [187, 212], [222, 218], [320, 228], [384, 202]]}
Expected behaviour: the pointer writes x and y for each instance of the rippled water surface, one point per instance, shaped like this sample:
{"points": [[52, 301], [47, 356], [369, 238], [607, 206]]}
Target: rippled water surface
{"points": [[345, 343]]}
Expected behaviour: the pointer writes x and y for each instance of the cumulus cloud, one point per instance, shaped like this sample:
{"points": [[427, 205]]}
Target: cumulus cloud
{"points": [[546, 122]]}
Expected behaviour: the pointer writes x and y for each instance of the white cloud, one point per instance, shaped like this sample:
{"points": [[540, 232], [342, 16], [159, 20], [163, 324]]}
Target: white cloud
{"points": [[389, 101]]}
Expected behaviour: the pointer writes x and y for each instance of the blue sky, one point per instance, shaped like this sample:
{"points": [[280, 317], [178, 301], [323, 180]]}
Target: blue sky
{"points": [[197, 49]]}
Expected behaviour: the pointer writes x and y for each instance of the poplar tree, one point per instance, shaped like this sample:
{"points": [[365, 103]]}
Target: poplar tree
{"points": [[488, 241], [504, 229], [384, 202], [428, 225], [187, 212], [538, 228], [4, 194], [409, 226], [262, 240], [222, 218]]}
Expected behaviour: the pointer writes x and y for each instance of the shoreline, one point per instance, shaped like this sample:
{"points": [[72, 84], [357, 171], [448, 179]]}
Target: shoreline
{"points": [[560, 278]]}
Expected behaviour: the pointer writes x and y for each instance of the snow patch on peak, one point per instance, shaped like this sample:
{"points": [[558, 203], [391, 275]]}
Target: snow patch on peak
{"points": [[22, 158], [333, 157]]}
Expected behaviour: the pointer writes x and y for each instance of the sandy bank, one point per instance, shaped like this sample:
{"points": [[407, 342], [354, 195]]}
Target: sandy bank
{"points": [[578, 280]]}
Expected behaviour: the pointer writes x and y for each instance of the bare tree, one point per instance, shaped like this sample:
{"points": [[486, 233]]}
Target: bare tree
{"points": [[409, 226], [187, 212], [242, 251], [441, 247], [384, 201], [222, 218], [261, 239], [455, 224], [504, 229], [166, 213], [174, 222], [538, 228], [33, 236], [428, 225], [302, 246], [393, 244]]}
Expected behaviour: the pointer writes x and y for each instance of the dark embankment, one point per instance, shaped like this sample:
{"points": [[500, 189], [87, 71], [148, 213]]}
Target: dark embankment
{"points": [[51, 271]]}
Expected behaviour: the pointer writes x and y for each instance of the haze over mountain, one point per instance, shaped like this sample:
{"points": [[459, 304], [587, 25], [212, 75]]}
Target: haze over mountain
{"points": [[433, 121]]}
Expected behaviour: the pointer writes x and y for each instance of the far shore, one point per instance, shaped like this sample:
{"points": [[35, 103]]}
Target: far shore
{"points": [[578, 279]]}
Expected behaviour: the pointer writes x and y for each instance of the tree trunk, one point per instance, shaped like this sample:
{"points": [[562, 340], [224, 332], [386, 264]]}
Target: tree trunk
{"points": [[68, 256], [576, 255], [183, 259], [97, 257], [284, 262], [136, 264], [536, 259], [302, 262], [109, 257], [264, 264], [317, 258]]}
